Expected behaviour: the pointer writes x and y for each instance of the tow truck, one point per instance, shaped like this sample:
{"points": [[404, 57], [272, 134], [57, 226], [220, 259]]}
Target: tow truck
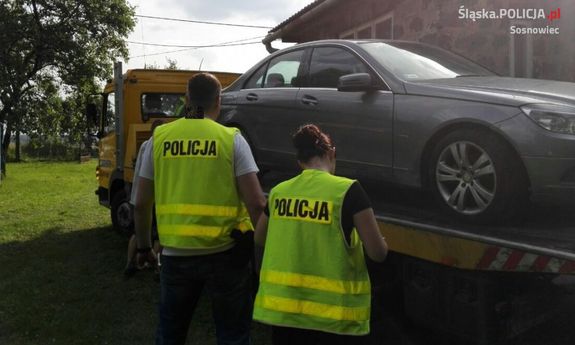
{"points": [[124, 123]]}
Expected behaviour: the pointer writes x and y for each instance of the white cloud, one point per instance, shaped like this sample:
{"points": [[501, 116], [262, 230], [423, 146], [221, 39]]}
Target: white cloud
{"points": [[229, 59]]}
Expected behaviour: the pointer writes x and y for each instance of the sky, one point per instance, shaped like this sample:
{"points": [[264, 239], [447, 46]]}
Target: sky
{"points": [[268, 13]]}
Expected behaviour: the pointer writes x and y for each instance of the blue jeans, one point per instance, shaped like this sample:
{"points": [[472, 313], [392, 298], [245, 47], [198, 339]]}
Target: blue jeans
{"points": [[182, 281]]}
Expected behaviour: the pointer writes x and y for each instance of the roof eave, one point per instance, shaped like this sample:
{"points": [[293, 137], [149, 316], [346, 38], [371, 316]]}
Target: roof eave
{"points": [[295, 21]]}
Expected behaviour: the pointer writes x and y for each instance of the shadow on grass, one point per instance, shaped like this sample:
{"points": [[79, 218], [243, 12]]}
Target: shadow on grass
{"points": [[69, 288]]}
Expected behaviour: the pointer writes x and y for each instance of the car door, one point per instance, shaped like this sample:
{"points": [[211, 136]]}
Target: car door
{"points": [[360, 123], [266, 105]]}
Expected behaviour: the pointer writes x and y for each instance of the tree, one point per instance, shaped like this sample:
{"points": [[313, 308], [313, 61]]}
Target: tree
{"points": [[152, 65], [66, 42], [38, 112], [172, 64], [53, 117]]}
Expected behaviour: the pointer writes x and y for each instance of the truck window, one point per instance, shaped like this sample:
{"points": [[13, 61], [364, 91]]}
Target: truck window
{"points": [[162, 105], [108, 120]]}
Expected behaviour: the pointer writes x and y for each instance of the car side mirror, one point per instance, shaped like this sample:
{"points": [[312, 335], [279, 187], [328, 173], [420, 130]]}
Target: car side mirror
{"points": [[355, 82]]}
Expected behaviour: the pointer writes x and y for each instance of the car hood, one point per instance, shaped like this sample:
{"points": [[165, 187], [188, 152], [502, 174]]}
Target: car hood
{"points": [[500, 90]]}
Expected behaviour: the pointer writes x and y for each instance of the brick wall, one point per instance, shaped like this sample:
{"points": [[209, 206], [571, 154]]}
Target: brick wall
{"points": [[488, 42]]}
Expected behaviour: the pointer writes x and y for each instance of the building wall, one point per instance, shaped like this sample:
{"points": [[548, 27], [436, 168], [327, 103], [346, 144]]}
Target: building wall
{"points": [[486, 41]]}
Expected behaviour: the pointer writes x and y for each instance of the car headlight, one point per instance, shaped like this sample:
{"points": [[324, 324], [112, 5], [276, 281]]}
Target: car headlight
{"points": [[554, 118]]}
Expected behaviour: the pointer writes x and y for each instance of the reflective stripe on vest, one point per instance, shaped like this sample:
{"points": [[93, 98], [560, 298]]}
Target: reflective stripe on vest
{"points": [[310, 278], [197, 210], [320, 310], [316, 282], [197, 204]]}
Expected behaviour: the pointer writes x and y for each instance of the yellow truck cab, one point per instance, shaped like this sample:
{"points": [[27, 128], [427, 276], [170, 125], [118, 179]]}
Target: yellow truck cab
{"points": [[130, 103]]}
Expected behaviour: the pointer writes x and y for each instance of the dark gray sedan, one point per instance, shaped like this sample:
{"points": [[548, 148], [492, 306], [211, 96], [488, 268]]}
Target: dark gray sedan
{"points": [[415, 115]]}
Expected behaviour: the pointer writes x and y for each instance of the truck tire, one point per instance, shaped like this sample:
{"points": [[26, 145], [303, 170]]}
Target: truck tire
{"points": [[122, 214], [477, 178]]}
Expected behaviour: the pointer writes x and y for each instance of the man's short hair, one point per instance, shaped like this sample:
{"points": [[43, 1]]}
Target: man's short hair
{"points": [[203, 92]]}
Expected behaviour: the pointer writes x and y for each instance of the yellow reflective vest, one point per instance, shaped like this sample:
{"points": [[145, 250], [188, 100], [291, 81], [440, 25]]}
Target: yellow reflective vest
{"points": [[310, 278], [197, 203]]}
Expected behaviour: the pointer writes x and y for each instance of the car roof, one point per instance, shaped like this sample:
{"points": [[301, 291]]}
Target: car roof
{"points": [[353, 42]]}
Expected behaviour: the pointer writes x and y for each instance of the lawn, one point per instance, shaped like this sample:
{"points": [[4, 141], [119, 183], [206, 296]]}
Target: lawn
{"points": [[61, 266]]}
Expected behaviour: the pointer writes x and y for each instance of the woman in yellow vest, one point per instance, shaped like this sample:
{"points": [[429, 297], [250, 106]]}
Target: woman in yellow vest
{"points": [[314, 285]]}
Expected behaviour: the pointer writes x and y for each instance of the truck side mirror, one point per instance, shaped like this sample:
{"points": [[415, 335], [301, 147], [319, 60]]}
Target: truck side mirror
{"points": [[92, 114]]}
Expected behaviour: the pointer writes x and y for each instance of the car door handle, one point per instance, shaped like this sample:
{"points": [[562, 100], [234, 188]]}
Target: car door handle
{"points": [[309, 100], [252, 97]]}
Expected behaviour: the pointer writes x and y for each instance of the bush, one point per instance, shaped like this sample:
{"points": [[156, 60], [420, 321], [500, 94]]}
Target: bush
{"points": [[50, 150]]}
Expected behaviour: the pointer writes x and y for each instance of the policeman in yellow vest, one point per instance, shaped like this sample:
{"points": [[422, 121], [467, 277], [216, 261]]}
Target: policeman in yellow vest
{"points": [[314, 286], [200, 174]]}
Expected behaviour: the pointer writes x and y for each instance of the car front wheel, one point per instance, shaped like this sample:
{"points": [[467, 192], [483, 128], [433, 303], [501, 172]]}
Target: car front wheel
{"points": [[477, 178]]}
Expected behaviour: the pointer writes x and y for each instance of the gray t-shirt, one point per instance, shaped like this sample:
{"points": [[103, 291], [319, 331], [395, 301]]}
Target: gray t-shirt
{"points": [[244, 163], [137, 172]]}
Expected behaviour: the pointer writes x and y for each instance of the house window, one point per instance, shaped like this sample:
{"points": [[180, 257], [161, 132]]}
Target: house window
{"points": [[348, 37], [384, 29], [521, 53], [365, 33], [381, 28]]}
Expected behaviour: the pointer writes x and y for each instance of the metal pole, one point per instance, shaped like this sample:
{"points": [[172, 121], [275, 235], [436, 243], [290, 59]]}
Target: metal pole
{"points": [[1, 157], [119, 94]]}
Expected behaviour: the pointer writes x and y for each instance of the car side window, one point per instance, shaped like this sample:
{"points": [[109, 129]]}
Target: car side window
{"points": [[330, 63], [283, 70], [256, 80]]}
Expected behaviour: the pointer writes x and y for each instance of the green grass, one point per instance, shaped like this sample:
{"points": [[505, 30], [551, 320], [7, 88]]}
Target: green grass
{"points": [[61, 266]]}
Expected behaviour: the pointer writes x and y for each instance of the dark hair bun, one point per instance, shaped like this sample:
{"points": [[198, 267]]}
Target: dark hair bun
{"points": [[310, 142]]}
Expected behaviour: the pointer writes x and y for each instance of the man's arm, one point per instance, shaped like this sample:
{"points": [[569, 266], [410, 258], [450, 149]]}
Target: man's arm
{"points": [[143, 209], [252, 195], [261, 231]]}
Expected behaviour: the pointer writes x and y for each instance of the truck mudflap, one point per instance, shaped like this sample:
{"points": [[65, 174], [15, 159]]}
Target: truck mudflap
{"points": [[471, 251]]}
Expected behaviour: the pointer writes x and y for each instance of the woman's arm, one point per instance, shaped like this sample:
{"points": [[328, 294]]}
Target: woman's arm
{"points": [[368, 230]]}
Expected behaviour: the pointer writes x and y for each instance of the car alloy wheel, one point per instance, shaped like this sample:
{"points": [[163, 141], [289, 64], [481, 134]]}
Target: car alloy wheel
{"points": [[466, 178]]}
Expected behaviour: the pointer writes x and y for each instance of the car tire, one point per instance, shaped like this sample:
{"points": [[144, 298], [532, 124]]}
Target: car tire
{"points": [[122, 214], [477, 178]]}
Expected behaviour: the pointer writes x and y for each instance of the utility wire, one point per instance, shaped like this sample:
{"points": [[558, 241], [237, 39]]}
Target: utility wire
{"points": [[204, 22], [162, 53], [194, 46], [198, 47]]}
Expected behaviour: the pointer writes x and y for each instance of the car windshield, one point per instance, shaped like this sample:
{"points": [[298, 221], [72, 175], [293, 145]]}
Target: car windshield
{"points": [[415, 62]]}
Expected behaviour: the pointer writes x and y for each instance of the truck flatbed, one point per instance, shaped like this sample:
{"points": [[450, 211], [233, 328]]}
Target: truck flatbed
{"points": [[413, 225], [457, 279]]}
